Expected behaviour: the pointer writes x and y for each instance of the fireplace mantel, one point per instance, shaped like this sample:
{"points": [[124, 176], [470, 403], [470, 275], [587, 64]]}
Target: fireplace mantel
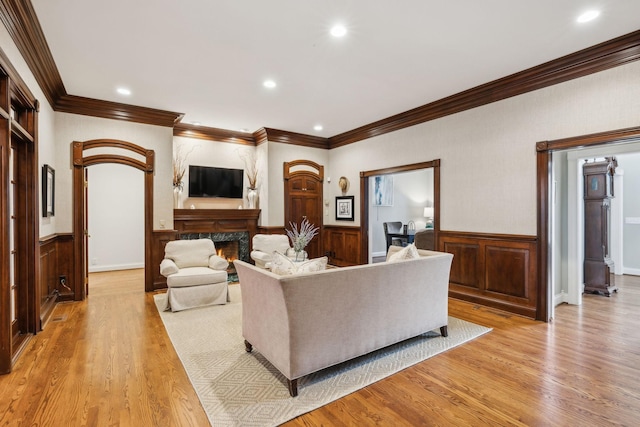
{"points": [[216, 220]]}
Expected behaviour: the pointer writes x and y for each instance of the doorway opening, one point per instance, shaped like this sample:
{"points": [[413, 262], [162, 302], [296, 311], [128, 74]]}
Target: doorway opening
{"points": [[365, 202], [129, 155]]}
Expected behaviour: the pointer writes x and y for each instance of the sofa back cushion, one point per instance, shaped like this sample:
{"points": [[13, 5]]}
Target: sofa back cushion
{"points": [[270, 242], [190, 253]]}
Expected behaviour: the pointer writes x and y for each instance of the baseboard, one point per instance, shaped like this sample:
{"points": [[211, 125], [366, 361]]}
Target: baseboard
{"points": [[101, 268], [560, 298], [632, 271], [377, 254]]}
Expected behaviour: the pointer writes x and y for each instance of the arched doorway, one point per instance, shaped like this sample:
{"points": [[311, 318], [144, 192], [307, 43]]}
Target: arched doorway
{"points": [[104, 153]]}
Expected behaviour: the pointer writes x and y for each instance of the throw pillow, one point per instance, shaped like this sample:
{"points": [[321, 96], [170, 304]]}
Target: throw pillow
{"points": [[408, 252], [284, 266]]}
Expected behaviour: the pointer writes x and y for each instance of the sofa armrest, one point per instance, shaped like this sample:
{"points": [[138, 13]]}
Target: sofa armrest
{"points": [[216, 262], [168, 267]]}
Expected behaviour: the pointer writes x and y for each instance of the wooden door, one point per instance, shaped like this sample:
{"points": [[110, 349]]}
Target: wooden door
{"points": [[303, 199]]}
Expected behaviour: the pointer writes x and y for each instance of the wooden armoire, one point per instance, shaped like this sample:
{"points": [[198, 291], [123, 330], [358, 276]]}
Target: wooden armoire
{"points": [[598, 191]]}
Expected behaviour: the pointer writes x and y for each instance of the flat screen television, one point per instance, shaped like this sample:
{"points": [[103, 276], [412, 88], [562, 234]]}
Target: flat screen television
{"points": [[205, 181]]}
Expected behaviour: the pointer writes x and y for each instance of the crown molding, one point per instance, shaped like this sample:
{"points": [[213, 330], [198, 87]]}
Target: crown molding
{"points": [[213, 134], [606, 55], [285, 137], [23, 26], [116, 111]]}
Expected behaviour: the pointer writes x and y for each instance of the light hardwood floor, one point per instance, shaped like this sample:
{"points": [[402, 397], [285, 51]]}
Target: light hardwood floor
{"points": [[108, 361]]}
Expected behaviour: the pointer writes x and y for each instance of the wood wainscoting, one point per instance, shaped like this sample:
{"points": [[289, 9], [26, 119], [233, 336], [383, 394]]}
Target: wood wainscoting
{"points": [[342, 245], [159, 239], [498, 271], [56, 268]]}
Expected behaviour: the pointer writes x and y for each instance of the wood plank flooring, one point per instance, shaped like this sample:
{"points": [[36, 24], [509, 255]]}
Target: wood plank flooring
{"points": [[108, 361]]}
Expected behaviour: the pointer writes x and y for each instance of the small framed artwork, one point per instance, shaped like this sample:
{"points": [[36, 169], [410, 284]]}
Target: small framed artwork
{"points": [[383, 190], [344, 208], [48, 190]]}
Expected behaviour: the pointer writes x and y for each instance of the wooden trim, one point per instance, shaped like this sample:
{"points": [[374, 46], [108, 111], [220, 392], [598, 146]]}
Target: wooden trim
{"points": [[23, 26], [285, 137], [115, 110], [606, 55], [213, 134], [631, 134]]}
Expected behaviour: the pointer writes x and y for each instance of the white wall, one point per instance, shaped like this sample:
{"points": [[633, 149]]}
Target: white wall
{"points": [[116, 217], [488, 157], [630, 163], [201, 152], [73, 127]]}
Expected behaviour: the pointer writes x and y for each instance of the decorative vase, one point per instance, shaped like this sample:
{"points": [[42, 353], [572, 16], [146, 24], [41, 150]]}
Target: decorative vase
{"points": [[252, 198], [178, 203], [297, 256]]}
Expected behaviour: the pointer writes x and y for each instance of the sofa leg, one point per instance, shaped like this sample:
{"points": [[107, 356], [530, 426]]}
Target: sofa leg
{"points": [[443, 331], [293, 387], [247, 346]]}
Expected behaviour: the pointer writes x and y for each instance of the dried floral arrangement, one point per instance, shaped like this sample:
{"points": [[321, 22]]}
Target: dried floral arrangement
{"points": [[301, 238], [251, 168]]}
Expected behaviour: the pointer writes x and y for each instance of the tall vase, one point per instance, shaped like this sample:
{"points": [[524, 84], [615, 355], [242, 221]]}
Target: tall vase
{"points": [[178, 203], [252, 198]]}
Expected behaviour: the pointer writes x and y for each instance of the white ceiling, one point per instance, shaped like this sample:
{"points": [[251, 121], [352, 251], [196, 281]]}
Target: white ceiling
{"points": [[208, 58]]}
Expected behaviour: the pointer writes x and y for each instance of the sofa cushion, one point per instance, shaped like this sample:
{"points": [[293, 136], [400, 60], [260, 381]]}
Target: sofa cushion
{"points": [[190, 253], [284, 266], [195, 276], [408, 252]]}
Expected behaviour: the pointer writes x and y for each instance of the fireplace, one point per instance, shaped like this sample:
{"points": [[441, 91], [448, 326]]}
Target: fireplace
{"points": [[229, 245]]}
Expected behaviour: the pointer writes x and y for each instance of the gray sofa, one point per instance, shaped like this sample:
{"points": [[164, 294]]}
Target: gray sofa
{"points": [[307, 322]]}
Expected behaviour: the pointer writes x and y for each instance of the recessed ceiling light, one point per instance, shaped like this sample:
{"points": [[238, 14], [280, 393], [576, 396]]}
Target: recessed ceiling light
{"points": [[317, 128], [589, 15], [244, 130], [338, 31], [269, 84], [124, 91], [195, 123]]}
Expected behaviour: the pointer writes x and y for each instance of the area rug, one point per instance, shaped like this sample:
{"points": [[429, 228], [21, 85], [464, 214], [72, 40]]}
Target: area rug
{"points": [[237, 388]]}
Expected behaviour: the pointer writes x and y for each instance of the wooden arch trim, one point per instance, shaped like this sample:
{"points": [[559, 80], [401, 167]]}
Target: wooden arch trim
{"points": [[319, 175], [545, 151], [80, 162]]}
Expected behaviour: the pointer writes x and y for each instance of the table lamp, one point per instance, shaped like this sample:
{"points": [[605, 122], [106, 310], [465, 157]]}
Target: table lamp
{"points": [[428, 214]]}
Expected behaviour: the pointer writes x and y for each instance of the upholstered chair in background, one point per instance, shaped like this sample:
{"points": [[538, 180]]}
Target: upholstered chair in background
{"points": [[263, 246]]}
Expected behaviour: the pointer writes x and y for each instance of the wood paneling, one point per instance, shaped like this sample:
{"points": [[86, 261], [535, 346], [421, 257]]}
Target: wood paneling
{"points": [[495, 270], [216, 220], [55, 263], [159, 241], [342, 245]]}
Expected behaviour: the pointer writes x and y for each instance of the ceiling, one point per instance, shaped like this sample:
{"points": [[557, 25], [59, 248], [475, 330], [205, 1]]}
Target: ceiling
{"points": [[208, 58]]}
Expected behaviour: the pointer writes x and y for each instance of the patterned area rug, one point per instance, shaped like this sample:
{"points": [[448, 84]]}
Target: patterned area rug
{"points": [[237, 388]]}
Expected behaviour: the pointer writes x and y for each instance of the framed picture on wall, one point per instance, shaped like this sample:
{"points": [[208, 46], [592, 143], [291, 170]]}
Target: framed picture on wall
{"points": [[344, 208], [48, 190], [383, 190]]}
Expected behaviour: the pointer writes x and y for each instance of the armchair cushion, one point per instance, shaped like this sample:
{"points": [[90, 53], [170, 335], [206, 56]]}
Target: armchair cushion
{"points": [[218, 263], [168, 267], [195, 276], [190, 253]]}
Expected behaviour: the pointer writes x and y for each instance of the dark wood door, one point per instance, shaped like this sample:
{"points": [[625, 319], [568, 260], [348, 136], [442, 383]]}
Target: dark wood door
{"points": [[303, 199]]}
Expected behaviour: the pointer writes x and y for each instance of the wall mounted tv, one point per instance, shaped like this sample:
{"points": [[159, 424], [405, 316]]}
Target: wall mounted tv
{"points": [[205, 181]]}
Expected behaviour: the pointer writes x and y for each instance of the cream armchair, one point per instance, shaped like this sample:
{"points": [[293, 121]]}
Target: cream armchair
{"points": [[263, 246], [196, 275]]}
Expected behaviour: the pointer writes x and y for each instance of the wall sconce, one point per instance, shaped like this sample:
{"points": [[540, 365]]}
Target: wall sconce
{"points": [[428, 214]]}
